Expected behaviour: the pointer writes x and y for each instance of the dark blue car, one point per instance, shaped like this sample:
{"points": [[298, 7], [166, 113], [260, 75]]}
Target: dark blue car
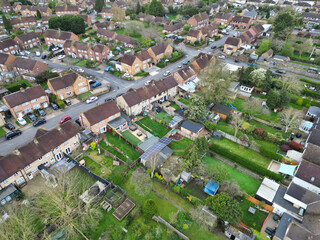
{"points": [[96, 84]]}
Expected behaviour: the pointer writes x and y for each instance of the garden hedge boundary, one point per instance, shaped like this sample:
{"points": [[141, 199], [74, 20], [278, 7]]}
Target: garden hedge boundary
{"points": [[315, 84], [245, 162], [271, 154], [311, 93]]}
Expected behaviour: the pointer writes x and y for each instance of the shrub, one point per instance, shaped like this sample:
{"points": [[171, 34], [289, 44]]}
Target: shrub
{"points": [[61, 104], [285, 148], [247, 127], [299, 101], [93, 145], [269, 153], [245, 162], [259, 131], [158, 176], [176, 189], [50, 54], [53, 98], [210, 126], [161, 64], [296, 146], [311, 93], [149, 208]]}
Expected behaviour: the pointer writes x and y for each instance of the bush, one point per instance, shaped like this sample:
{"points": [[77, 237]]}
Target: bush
{"points": [[176, 189], [53, 98], [269, 153], [245, 162], [296, 146], [299, 102], [149, 208], [313, 83], [176, 56], [285, 148], [158, 176], [60, 103], [14, 87], [161, 64], [50, 54], [311, 93], [210, 126], [93, 145]]}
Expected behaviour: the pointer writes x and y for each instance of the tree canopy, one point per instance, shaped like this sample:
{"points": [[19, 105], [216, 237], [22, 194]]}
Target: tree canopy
{"points": [[70, 23], [99, 4], [197, 110], [149, 208], [6, 23], [278, 99], [156, 9], [283, 25], [264, 46]]}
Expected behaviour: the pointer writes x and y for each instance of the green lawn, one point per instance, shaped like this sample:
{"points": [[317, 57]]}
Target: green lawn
{"points": [[152, 126], [254, 221], [185, 101], [224, 127], [180, 145], [94, 167], [269, 129], [123, 146], [114, 152], [2, 132], [164, 117], [84, 95], [130, 137], [246, 183], [82, 63], [44, 85], [305, 64], [175, 106], [243, 152]]}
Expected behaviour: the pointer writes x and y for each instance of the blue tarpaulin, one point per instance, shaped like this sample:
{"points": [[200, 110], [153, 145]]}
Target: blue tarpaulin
{"points": [[211, 187], [287, 169]]}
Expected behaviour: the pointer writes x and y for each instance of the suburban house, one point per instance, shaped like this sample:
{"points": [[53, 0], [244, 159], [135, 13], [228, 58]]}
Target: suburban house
{"points": [[199, 20], [231, 45], [67, 10], [194, 35], [57, 37], [103, 117], [222, 110], [23, 22], [9, 46], [241, 22], [130, 64], [162, 21], [29, 68], [160, 51], [26, 100], [145, 58], [106, 12], [68, 85], [86, 18], [251, 14], [191, 129], [313, 112], [136, 101], [202, 61], [6, 61], [119, 4], [312, 154], [222, 19], [91, 51], [210, 30], [5, 7], [28, 40], [27, 10], [175, 28], [126, 40], [185, 74], [108, 25], [314, 137], [47, 148], [106, 34], [312, 18]]}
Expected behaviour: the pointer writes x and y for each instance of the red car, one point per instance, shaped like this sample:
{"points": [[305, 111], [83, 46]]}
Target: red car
{"points": [[65, 119]]}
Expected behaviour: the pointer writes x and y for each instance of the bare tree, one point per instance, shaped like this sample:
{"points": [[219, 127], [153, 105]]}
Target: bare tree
{"points": [[202, 174], [292, 84], [153, 162], [236, 122], [142, 183], [289, 118], [231, 187], [181, 47], [149, 19], [150, 33], [205, 218], [118, 14], [134, 27], [252, 106]]}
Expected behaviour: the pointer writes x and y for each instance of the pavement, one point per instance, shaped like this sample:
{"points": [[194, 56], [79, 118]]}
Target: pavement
{"points": [[118, 86]]}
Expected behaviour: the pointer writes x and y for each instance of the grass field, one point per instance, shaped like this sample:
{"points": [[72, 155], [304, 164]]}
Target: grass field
{"points": [[84, 95], [185, 101], [152, 126], [164, 117], [246, 183], [95, 167], [180, 145], [254, 221], [2, 132], [243, 152], [123, 146], [130, 137], [175, 106]]}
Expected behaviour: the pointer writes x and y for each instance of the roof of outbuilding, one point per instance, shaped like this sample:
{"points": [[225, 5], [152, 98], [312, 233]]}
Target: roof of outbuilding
{"points": [[219, 108], [191, 126]]}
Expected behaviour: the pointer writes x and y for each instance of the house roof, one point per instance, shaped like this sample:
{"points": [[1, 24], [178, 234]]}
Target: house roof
{"points": [[314, 110], [3, 58], [128, 59], [106, 33], [32, 151], [57, 34], [302, 194], [17, 98], [312, 154], [221, 15], [193, 33], [191, 126], [285, 220], [101, 112], [203, 60], [24, 63], [27, 36], [219, 108], [124, 38], [63, 81], [232, 41], [268, 190], [172, 28], [159, 48], [310, 15], [7, 43], [186, 72], [314, 137], [201, 16], [309, 172], [251, 14], [143, 55], [66, 8], [241, 19]]}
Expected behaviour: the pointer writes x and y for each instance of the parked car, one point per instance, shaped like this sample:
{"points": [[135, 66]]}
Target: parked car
{"points": [[236, 60], [9, 126], [92, 99], [96, 84], [21, 121], [108, 99], [27, 52], [281, 71], [55, 49], [39, 122], [41, 112], [80, 70], [213, 47], [67, 102], [61, 57], [107, 69], [44, 56], [167, 73], [31, 116], [77, 121], [186, 62], [92, 82], [54, 106], [222, 57], [65, 119], [12, 134], [147, 82], [180, 66], [38, 54]]}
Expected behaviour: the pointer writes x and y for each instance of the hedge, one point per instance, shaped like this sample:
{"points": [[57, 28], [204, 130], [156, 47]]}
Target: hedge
{"points": [[16, 86], [176, 56], [316, 84], [311, 93], [245, 162], [269, 153], [306, 101]]}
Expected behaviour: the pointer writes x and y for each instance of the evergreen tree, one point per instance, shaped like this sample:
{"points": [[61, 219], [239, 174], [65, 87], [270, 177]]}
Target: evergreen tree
{"points": [[39, 14], [99, 4], [156, 8], [138, 8], [6, 23]]}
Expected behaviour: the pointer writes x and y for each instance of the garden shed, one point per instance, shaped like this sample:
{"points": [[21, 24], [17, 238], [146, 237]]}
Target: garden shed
{"points": [[185, 176], [267, 191]]}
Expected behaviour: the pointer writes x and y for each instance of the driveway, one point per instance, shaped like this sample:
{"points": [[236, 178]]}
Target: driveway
{"points": [[269, 223]]}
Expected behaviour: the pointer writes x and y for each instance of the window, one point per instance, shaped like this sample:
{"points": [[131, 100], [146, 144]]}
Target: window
{"points": [[81, 84], [16, 174], [67, 88], [25, 104], [52, 159], [68, 150], [20, 180], [35, 170], [59, 156], [40, 158], [27, 167], [5, 181]]}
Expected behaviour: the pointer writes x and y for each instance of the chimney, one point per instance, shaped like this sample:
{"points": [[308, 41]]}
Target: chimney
{"points": [[35, 141], [17, 152], [21, 89]]}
